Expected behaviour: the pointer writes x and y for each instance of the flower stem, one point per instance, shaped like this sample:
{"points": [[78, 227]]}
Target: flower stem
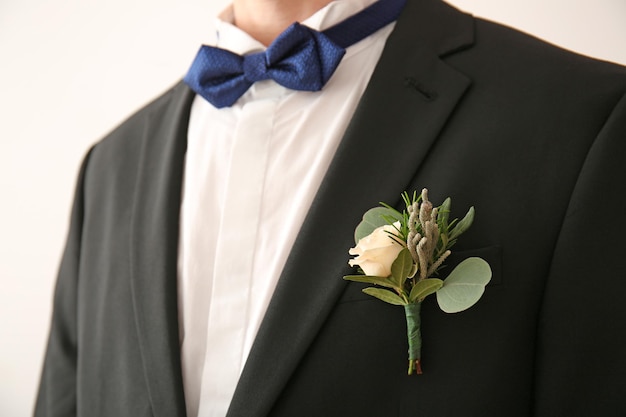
{"points": [[413, 323], [416, 366]]}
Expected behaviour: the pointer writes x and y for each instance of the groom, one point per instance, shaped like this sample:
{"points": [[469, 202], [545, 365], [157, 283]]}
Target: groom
{"points": [[209, 235]]}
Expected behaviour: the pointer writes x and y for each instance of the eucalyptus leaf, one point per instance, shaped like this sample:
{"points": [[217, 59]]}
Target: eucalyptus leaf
{"points": [[463, 225], [401, 267], [368, 279], [464, 286], [373, 219], [424, 288], [385, 295]]}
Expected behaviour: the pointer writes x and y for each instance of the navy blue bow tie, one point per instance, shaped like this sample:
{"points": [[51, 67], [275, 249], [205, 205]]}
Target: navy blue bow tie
{"points": [[300, 58]]}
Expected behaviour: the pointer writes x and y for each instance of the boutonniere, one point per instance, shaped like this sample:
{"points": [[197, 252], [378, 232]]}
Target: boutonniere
{"points": [[401, 253]]}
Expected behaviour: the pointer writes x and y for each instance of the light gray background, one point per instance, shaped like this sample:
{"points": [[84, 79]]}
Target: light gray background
{"points": [[70, 70]]}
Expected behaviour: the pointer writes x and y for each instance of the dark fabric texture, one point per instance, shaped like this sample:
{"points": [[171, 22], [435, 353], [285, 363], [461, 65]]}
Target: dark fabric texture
{"points": [[531, 135]]}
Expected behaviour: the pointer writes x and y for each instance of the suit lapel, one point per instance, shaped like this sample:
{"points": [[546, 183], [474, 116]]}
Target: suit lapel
{"points": [[410, 96], [154, 241]]}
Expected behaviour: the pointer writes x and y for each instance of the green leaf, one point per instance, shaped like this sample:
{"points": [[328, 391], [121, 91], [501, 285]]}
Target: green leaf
{"points": [[401, 267], [369, 279], [373, 219], [464, 286], [463, 225], [385, 295], [424, 288], [443, 214]]}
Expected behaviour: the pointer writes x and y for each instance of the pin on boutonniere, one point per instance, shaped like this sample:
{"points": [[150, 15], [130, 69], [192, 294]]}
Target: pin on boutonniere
{"points": [[401, 253]]}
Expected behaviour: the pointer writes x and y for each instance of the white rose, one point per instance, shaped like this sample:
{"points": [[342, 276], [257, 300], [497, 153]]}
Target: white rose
{"points": [[377, 251]]}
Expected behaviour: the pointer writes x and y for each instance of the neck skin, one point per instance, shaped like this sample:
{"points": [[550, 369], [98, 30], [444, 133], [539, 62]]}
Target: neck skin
{"points": [[264, 20]]}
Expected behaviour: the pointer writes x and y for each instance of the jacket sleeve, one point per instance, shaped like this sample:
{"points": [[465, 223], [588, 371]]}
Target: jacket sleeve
{"points": [[581, 350], [57, 390]]}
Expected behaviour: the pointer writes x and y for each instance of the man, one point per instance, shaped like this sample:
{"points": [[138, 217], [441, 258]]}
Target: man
{"points": [[204, 262]]}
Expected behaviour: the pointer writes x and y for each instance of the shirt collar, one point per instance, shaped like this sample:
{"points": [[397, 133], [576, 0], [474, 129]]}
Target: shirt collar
{"points": [[230, 37]]}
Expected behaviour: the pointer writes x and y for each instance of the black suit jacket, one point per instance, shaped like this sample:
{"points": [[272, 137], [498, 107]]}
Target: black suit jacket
{"points": [[533, 136]]}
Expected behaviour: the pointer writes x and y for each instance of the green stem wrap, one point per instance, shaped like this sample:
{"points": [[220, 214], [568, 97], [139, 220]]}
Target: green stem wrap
{"points": [[413, 323]]}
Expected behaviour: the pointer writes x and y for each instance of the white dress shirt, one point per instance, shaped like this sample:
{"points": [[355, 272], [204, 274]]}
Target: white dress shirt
{"points": [[251, 173]]}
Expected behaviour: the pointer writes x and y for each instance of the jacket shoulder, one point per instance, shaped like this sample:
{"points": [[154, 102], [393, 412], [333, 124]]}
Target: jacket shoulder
{"points": [[501, 44], [114, 161], [126, 136]]}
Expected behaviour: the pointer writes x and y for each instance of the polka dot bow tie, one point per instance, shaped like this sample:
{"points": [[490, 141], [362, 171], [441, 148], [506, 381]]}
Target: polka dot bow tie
{"points": [[300, 58]]}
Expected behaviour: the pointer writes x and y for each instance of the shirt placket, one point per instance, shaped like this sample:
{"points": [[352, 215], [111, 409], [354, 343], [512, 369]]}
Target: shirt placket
{"points": [[235, 252]]}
